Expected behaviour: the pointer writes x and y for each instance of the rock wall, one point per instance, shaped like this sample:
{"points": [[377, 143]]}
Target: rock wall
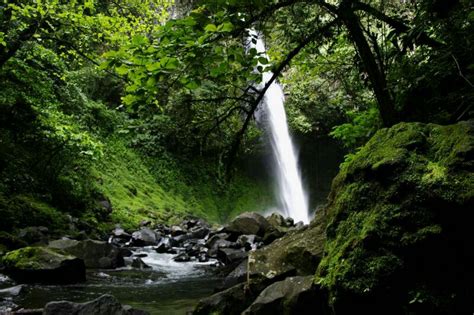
{"points": [[398, 235]]}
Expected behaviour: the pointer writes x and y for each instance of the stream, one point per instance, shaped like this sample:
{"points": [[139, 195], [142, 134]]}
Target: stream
{"points": [[169, 287]]}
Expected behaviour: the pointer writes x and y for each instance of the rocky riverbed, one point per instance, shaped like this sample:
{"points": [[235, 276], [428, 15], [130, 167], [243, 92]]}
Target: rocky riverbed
{"points": [[157, 268]]}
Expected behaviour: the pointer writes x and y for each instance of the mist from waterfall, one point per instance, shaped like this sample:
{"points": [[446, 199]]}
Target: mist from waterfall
{"points": [[292, 197]]}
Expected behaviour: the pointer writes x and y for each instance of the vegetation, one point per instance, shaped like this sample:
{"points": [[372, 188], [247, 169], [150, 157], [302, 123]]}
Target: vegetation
{"points": [[118, 112]]}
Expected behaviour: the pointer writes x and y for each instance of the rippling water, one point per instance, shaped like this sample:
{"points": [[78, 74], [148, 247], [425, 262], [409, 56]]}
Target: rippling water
{"points": [[168, 288]]}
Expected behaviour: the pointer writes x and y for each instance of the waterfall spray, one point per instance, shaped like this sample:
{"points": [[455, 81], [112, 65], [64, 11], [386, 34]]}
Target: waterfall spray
{"points": [[292, 197]]}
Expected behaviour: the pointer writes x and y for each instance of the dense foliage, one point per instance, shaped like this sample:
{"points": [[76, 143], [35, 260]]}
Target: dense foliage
{"points": [[93, 92]]}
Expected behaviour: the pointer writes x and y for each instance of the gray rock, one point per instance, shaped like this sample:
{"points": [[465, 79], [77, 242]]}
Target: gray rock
{"points": [[177, 230], [104, 305], [295, 295], [145, 237], [231, 255], [34, 235], [12, 291], [96, 254], [43, 265], [138, 263], [238, 275], [198, 232], [164, 245], [248, 223]]}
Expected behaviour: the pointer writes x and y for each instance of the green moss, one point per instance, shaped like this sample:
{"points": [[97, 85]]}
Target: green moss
{"points": [[20, 211], [160, 190], [394, 213], [33, 258]]}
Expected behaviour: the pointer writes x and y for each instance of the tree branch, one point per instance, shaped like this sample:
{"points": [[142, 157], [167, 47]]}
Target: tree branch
{"points": [[397, 25], [322, 31]]}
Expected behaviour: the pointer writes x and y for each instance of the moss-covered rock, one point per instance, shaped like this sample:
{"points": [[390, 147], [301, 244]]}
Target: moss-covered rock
{"points": [[398, 238], [297, 253], [43, 265]]}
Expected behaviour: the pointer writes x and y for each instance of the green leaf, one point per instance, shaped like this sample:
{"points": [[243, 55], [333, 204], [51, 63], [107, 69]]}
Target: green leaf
{"points": [[169, 63], [226, 27], [210, 28], [122, 70], [192, 85]]}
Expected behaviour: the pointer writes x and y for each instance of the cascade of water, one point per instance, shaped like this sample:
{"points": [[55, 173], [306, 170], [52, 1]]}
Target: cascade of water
{"points": [[293, 199]]}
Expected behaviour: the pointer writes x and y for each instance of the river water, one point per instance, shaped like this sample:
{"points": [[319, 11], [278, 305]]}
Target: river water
{"points": [[168, 288]]}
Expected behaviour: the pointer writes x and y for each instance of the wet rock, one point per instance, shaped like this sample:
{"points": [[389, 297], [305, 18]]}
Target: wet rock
{"points": [[292, 296], [164, 246], [145, 237], [271, 235], [238, 275], [248, 223], [120, 233], [43, 265], [198, 232], [248, 241], [276, 220], [34, 235], [230, 255], [96, 254], [229, 302], [125, 252], [138, 263], [183, 257], [216, 237], [177, 230], [12, 291], [180, 239], [289, 222], [297, 253], [218, 244], [104, 305], [203, 257]]}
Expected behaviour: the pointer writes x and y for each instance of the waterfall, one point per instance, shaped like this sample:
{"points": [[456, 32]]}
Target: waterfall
{"points": [[292, 197]]}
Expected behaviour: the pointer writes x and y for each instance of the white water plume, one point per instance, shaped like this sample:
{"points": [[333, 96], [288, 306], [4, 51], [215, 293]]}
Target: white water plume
{"points": [[292, 197]]}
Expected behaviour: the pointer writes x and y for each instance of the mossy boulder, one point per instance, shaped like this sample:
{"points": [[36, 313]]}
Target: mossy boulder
{"points": [[399, 236], [96, 254], [297, 253], [43, 265]]}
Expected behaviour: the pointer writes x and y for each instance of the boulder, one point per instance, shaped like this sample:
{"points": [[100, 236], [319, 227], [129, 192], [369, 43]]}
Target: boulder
{"points": [[164, 246], [12, 291], [145, 237], [138, 263], [214, 238], [248, 223], [236, 276], [43, 265], [399, 235], [297, 253], [218, 244], [34, 235], [198, 232], [177, 230], [96, 254], [277, 221], [120, 233], [104, 305], [229, 302], [231, 255], [292, 296]]}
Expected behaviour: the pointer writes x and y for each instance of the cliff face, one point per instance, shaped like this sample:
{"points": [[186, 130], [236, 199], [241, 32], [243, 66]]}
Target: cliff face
{"points": [[398, 237]]}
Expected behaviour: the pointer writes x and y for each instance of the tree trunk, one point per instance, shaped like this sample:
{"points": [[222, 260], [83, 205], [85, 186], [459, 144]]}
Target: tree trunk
{"points": [[377, 78]]}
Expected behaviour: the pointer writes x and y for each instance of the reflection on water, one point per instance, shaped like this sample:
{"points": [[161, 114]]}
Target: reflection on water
{"points": [[167, 288]]}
